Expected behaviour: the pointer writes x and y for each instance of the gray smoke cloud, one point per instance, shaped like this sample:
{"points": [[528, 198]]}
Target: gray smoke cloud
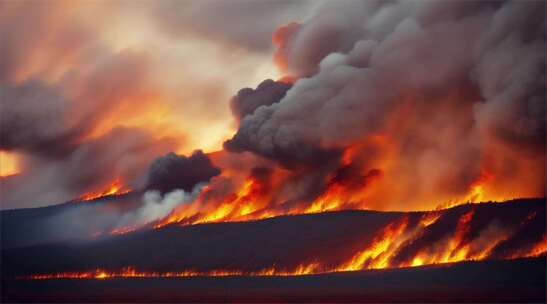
{"points": [[173, 171], [35, 118], [450, 84], [247, 100], [123, 153], [226, 21]]}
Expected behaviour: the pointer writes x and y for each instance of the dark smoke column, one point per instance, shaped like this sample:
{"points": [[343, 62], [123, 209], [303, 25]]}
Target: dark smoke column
{"points": [[174, 171]]}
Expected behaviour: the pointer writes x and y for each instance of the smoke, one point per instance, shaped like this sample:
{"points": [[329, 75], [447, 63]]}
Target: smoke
{"points": [[222, 21], [123, 153], [155, 206], [67, 81], [334, 27], [173, 171], [35, 118], [266, 93], [430, 93], [409, 102]]}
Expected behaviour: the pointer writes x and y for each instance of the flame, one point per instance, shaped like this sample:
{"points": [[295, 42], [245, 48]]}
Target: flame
{"points": [[131, 272], [379, 254], [251, 202], [115, 188], [477, 191], [238, 206], [330, 200], [538, 249]]}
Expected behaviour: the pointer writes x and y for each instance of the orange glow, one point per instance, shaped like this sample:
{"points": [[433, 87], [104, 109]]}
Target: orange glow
{"points": [[280, 38], [115, 188], [477, 190], [237, 206], [289, 79], [538, 249], [9, 164], [252, 202], [378, 253], [130, 272]]}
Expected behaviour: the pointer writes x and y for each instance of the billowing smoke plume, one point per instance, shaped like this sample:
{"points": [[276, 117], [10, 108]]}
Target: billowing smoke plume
{"points": [[173, 171], [248, 100], [155, 206], [436, 95]]}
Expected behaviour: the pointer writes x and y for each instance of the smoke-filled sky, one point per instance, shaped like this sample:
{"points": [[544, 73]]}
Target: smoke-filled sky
{"points": [[397, 104], [92, 88]]}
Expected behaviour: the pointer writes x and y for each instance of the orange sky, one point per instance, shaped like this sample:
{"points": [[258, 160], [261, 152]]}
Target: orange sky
{"points": [[8, 164], [189, 79]]}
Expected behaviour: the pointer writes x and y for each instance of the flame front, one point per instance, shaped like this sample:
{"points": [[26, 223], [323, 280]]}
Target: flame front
{"points": [[115, 188], [389, 248]]}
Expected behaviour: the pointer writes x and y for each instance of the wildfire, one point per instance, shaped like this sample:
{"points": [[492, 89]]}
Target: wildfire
{"points": [[538, 249], [377, 255], [115, 188], [344, 188], [477, 191], [236, 207], [252, 201], [384, 250], [130, 272]]}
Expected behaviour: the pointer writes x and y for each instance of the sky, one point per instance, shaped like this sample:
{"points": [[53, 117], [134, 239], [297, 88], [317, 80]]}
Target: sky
{"points": [[163, 69]]}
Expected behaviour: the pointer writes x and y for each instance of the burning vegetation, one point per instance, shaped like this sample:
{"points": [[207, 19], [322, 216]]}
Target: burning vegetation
{"points": [[115, 188], [305, 244]]}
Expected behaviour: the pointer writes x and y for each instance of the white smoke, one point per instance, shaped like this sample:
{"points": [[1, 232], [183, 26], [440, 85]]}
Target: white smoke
{"points": [[155, 206]]}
